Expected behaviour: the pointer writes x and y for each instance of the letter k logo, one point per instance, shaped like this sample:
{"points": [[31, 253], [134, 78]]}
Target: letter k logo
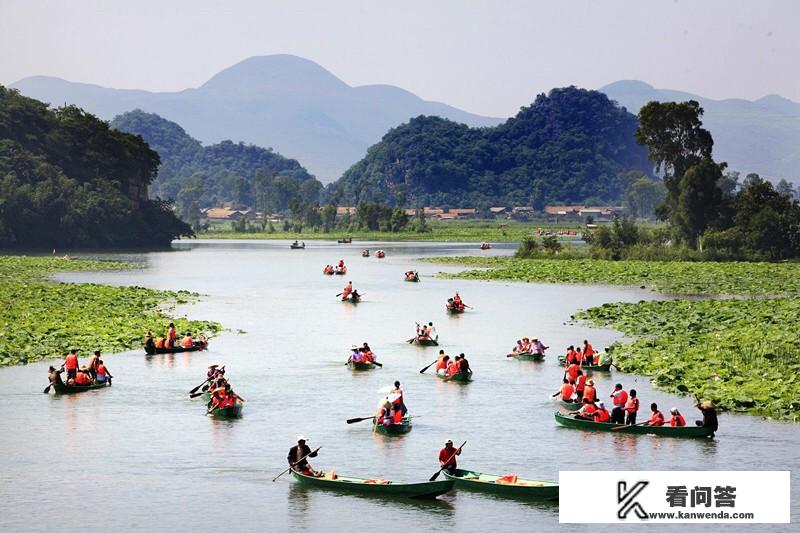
{"points": [[627, 499]]}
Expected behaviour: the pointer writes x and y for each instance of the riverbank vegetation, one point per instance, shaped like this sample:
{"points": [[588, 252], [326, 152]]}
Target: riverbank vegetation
{"points": [[40, 319]]}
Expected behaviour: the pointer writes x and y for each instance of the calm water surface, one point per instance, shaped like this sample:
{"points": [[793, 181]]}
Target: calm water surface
{"points": [[142, 456]]}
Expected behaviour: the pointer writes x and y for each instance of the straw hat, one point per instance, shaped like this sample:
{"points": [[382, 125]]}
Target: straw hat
{"points": [[301, 438], [590, 382]]}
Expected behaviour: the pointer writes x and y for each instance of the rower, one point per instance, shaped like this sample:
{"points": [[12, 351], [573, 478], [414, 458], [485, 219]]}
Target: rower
{"points": [[71, 364], [519, 348], [458, 303], [102, 375], [588, 352], [347, 290], [631, 408], [570, 357], [172, 335], [572, 372], [539, 347], [565, 391], [620, 398], [677, 419], [400, 399], [397, 414], [709, 415], [148, 340], [463, 364], [356, 355], [452, 366], [602, 413], [297, 456], [214, 371], [442, 362], [656, 417], [83, 378], [432, 331], [587, 411], [92, 366], [447, 457], [160, 343], [55, 376], [187, 341]]}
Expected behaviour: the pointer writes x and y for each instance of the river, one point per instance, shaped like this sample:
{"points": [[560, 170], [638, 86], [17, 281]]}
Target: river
{"points": [[142, 456]]}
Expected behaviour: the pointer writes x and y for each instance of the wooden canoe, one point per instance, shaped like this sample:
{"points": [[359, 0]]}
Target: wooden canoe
{"points": [[63, 388], [360, 366], [661, 431], [426, 342], [234, 411], [395, 429], [351, 299], [341, 272], [377, 487], [453, 310], [597, 368], [151, 350], [527, 356], [344, 241], [459, 377], [572, 406], [297, 246], [523, 488], [412, 279]]}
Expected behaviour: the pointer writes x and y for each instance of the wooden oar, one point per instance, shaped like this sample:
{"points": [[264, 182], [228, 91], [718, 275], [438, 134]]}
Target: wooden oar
{"points": [[47, 389], [411, 340], [433, 477], [378, 364], [354, 420], [203, 383], [296, 463], [617, 428], [427, 367]]}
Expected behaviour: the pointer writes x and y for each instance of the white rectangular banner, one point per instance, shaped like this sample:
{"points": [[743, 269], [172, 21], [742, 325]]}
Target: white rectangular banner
{"points": [[691, 497]]}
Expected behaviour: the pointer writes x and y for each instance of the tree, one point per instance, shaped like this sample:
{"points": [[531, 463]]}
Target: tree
{"points": [[551, 245], [786, 188], [420, 224], [699, 201], [644, 196], [328, 214]]}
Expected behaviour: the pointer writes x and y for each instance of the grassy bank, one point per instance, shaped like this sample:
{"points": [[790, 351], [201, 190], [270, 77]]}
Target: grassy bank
{"points": [[450, 231], [742, 353], [40, 319]]}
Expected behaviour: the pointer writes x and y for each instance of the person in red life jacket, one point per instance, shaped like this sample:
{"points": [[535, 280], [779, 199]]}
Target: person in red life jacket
{"points": [[447, 457], [187, 341], [160, 343], [572, 372], [366, 354], [400, 398], [83, 378], [580, 385], [298, 454], [442, 362], [656, 416], [619, 398], [602, 414], [589, 391], [172, 336], [218, 398], [677, 419], [347, 290], [579, 356], [587, 411], [397, 414], [565, 391], [102, 374], [631, 408], [571, 356], [588, 352], [463, 364], [459, 305], [71, 364], [452, 367], [341, 263]]}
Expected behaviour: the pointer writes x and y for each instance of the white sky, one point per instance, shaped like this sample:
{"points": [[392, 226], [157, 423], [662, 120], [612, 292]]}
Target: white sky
{"points": [[488, 57]]}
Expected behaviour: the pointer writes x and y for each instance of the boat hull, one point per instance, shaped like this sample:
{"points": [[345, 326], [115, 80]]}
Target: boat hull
{"points": [[360, 367], [524, 488], [597, 368], [63, 388], [527, 356], [395, 429], [460, 377], [661, 431], [426, 342], [429, 489], [175, 349], [234, 411]]}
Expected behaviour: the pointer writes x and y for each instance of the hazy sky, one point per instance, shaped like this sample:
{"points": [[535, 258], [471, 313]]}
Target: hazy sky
{"points": [[488, 57]]}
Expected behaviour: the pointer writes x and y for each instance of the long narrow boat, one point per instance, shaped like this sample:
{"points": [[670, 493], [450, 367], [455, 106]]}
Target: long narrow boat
{"points": [[63, 388], [412, 279], [425, 342], [360, 366], [378, 487], [234, 411], [661, 431], [351, 299], [572, 406], [459, 377], [504, 485], [297, 246], [454, 310], [395, 429], [347, 240], [152, 350], [598, 368], [527, 356]]}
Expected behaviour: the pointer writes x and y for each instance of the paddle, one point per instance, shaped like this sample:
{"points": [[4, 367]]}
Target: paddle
{"points": [[427, 367], [47, 389], [617, 428], [433, 477], [196, 394], [203, 383], [296, 463], [354, 420]]}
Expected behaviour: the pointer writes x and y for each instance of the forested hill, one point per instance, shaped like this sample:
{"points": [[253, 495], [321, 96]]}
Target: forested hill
{"points": [[68, 180], [569, 146], [190, 173]]}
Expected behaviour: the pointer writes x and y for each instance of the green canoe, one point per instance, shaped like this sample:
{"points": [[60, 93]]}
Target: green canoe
{"points": [[235, 411], [523, 488], [426, 342], [460, 377], [454, 311], [661, 431], [528, 356], [572, 406], [378, 487], [599, 368], [395, 429], [63, 388], [360, 366]]}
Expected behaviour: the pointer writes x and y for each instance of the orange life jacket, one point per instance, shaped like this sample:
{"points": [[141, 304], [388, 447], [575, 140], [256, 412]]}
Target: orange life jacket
{"points": [[633, 406], [397, 417], [160, 342], [572, 372], [622, 399], [588, 350], [101, 370], [71, 361], [657, 419], [677, 420], [602, 415], [580, 383], [566, 391], [82, 379], [187, 342], [440, 364], [590, 392]]}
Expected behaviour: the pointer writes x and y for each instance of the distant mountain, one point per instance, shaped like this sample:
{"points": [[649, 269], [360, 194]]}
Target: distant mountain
{"points": [[245, 175], [760, 136], [283, 101], [570, 146]]}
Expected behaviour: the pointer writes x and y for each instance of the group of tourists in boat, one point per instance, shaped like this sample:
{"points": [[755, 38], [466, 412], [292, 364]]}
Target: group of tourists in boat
{"points": [[361, 355], [169, 342], [485, 245], [392, 409], [586, 356], [447, 367], [455, 304], [426, 333], [412, 275], [340, 269], [380, 254], [223, 400], [365, 252], [79, 377], [531, 347], [349, 294], [297, 245]]}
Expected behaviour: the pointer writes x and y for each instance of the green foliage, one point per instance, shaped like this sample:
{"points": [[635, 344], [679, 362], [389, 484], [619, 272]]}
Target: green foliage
{"points": [[68, 180], [245, 175], [551, 245], [740, 353], [643, 197], [42, 320], [528, 248], [567, 146]]}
